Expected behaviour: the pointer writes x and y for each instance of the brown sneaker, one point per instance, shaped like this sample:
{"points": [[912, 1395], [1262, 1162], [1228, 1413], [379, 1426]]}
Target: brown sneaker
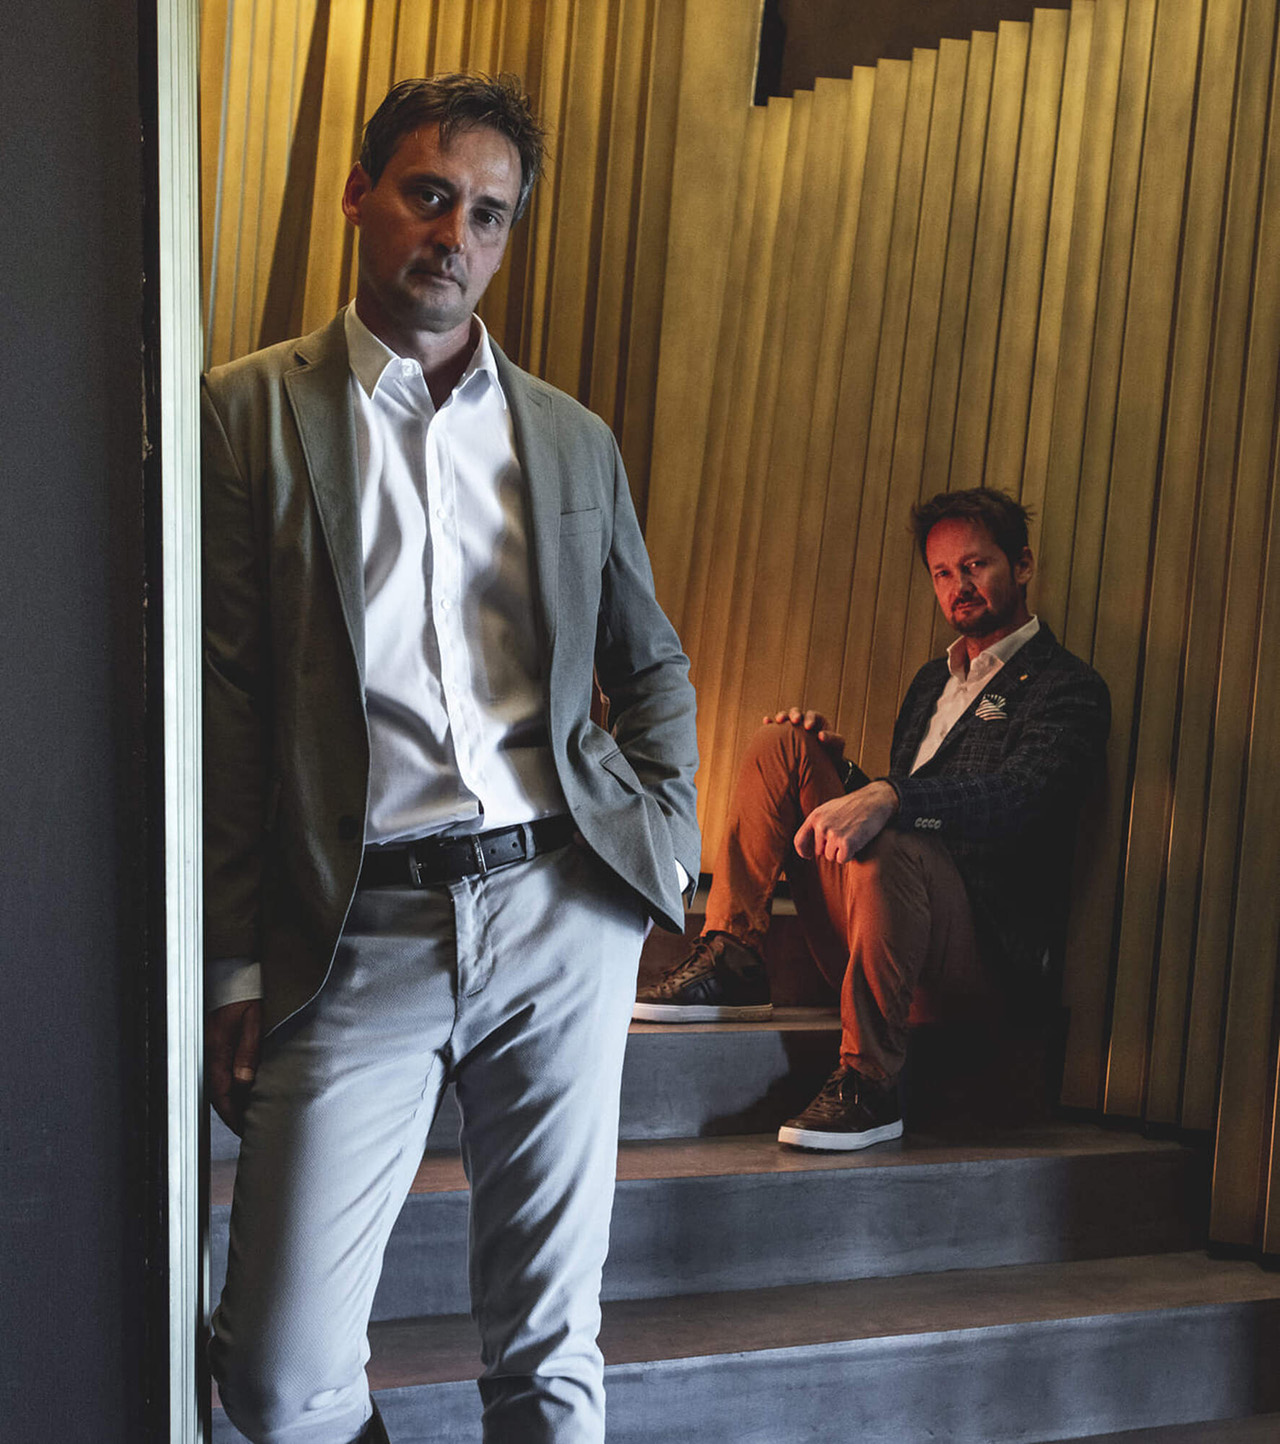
{"points": [[850, 1112], [721, 981]]}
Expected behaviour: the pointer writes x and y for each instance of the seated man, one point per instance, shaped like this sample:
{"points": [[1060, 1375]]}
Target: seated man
{"points": [[946, 879]]}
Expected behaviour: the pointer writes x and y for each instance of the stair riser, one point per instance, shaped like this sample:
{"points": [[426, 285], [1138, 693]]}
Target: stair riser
{"points": [[1014, 1384], [704, 1235], [684, 1084]]}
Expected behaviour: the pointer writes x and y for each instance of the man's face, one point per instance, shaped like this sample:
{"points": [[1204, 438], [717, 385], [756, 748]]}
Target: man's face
{"points": [[981, 594], [433, 230]]}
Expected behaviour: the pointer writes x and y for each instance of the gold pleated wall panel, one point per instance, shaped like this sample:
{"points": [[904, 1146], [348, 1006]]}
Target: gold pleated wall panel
{"points": [[1050, 267], [286, 86]]}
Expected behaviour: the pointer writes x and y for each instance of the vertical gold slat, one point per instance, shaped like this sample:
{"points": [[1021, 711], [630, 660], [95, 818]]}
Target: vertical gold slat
{"points": [[1201, 876], [415, 38], [878, 623], [717, 61], [1246, 1118], [213, 62], [717, 509], [448, 51], [1157, 759], [749, 447], [544, 221], [991, 246], [857, 378], [1244, 728], [374, 84], [932, 249], [326, 261], [233, 185], [1053, 299], [1028, 236], [787, 555], [1135, 457], [503, 300], [292, 23], [615, 261], [810, 609], [1113, 295], [652, 222], [255, 214], [582, 149], [707, 635], [949, 348], [482, 42], [1271, 1206], [1089, 928], [1082, 287], [718, 515], [961, 235]]}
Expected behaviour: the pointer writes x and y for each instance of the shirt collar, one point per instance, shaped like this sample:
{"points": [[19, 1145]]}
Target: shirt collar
{"points": [[996, 655], [370, 357]]}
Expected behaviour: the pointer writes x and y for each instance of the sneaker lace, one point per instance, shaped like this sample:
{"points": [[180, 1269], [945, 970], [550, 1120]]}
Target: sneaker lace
{"points": [[698, 962]]}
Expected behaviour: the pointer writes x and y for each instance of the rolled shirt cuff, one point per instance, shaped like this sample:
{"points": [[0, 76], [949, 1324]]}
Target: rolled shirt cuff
{"points": [[231, 980]]}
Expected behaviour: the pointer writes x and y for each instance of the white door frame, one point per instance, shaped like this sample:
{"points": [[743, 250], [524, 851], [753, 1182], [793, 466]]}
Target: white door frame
{"points": [[177, 31]]}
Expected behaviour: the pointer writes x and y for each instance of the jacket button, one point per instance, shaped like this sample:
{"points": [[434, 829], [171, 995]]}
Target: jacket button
{"points": [[348, 827]]}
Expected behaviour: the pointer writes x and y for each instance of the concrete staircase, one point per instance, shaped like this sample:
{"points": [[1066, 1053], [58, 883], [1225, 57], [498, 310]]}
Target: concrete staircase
{"points": [[970, 1283]]}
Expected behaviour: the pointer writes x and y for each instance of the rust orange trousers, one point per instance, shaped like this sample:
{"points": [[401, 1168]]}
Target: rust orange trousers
{"points": [[891, 930]]}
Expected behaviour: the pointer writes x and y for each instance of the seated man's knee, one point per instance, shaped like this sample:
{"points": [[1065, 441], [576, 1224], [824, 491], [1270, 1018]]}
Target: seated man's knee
{"points": [[780, 739]]}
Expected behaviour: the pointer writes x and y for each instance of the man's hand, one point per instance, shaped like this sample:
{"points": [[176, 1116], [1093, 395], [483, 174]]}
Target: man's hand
{"points": [[231, 1037], [811, 722], [839, 828]]}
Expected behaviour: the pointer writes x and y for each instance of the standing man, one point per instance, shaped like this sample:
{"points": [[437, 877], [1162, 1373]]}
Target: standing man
{"points": [[943, 882], [424, 862]]}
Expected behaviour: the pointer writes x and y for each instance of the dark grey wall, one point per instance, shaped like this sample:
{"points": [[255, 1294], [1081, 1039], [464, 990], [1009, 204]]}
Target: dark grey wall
{"points": [[72, 753]]}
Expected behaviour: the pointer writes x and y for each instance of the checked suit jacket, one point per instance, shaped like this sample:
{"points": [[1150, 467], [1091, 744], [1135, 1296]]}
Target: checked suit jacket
{"points": [[1003, 791]]}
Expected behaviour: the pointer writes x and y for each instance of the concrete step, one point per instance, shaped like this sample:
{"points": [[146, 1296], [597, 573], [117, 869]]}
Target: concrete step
{"points": [[694, 1080], [992, 1356], [1260, 1429], [715, 1214]]}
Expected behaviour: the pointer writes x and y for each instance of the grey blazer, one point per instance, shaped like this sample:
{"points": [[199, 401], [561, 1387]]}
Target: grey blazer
{"points": [[286, 737]]}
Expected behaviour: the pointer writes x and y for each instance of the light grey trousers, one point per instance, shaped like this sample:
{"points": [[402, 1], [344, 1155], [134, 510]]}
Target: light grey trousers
{"points": [[518, 986]]}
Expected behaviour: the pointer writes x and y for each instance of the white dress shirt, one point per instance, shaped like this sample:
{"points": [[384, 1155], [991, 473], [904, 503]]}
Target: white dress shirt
{"points": [[966, 683], [456, 698]]}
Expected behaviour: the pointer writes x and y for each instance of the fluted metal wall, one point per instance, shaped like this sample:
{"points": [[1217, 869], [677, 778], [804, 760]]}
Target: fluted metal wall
{"points": [[1042, 258]]}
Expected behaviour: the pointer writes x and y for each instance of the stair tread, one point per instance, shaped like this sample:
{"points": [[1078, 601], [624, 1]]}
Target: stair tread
{"points": [[760, 1153], [1258, 1429], [414, 1352]]}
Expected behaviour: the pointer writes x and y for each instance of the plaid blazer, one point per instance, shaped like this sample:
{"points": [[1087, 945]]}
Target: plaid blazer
{"points": [[1003, 791]]}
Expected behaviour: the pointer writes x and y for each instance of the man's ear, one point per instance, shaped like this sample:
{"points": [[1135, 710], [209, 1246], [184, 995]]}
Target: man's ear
{"points": [[353, 193], [1024, 568]]}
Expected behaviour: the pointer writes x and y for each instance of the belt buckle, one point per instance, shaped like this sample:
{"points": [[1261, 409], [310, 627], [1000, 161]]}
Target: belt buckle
{"points": [[477, 853]]}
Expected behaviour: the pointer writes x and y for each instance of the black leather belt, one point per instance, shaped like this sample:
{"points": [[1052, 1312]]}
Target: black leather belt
{"points": [[435, 861]]}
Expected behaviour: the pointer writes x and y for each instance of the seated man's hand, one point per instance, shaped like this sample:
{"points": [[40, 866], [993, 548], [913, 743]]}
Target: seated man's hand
{"points": [[811, 722], [839, 828], [231, 1037]]}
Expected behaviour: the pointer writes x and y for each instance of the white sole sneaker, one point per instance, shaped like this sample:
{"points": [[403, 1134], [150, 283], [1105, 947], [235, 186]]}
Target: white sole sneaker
{"points": [[839, 1142], [701, 1013]]}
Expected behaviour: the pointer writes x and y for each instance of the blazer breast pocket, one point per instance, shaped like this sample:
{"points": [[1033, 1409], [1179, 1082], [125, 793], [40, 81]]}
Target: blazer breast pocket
{"points": [[580, 523]]}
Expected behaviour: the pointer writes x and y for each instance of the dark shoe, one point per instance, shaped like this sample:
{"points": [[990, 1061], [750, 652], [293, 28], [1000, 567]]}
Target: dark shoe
{"points": [[722, 980], [375, 1431], [850, 1112]]}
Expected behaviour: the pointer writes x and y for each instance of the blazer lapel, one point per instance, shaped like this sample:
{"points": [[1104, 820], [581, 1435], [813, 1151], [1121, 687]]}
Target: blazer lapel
{"points": [[534, 427], [1000, 696], [320, 394]]}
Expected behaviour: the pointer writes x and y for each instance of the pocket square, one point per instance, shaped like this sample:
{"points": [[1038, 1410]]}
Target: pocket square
{"points": [[991, 709]]}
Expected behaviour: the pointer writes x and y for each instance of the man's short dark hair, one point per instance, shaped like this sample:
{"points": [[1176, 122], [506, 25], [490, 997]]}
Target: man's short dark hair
{"points": [[457, 102], [1005, 518]]}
